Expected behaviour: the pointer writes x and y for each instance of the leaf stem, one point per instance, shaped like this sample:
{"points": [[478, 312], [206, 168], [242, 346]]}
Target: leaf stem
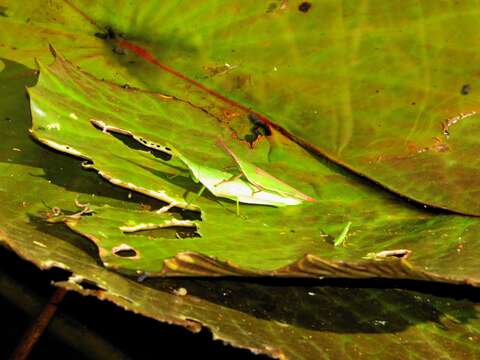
{"points": [[36, 329]]}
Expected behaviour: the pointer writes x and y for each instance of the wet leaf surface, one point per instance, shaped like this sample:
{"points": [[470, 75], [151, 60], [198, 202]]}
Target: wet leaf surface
{"points": [[280, 320], [66, 118], [262, 317], [422, 137], [384, 89], [385, 109]]}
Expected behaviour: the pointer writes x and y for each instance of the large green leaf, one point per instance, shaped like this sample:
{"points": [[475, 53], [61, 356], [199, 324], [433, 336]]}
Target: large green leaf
{"points": [[29, 30], [383, 91], [264, 318], [380, 88], [439, 327], [67, 103]]}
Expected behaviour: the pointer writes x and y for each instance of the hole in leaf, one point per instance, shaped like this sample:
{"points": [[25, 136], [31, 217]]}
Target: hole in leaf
{"points": [[155, 149], [58, 274], [90, 285], [187, 233], [187, 214], [401, 254], [136, 144], [124, 251], [179, 232]]}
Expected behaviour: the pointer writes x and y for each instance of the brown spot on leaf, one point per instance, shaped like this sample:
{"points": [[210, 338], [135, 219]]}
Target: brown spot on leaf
{"points": [[304, 6], [228, 113], [271, 7], [4, 11], [240, 81], [465, 90], [439, 145], [211, 71]]}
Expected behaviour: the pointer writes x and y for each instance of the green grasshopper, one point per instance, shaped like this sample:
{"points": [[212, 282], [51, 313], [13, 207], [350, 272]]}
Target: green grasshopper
{"points": [[340, 239], [263, 181], [259, 187]]}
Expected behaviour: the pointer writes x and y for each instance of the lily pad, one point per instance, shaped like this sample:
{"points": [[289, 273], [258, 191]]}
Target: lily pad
{"points": [[95, 120], [253, 316], [372, 98], [389, 93], [249, 321]]}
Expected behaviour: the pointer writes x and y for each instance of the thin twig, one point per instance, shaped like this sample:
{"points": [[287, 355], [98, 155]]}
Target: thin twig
{"points": [[63, 327], [39, 325]]}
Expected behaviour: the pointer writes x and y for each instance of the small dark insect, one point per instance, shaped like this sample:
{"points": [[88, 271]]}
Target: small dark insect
{"points": [[304, 6], [465, 89], [259, 128]]}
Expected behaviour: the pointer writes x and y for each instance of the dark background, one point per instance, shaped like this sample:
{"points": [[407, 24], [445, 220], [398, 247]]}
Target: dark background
{"points": [[134, 335]]}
